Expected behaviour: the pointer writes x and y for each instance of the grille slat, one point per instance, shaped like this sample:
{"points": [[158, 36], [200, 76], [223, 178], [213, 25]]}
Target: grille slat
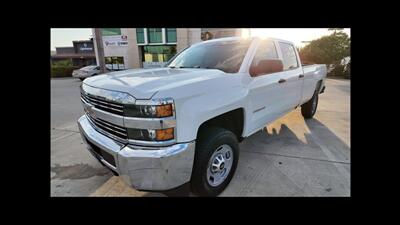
{"points": [[111, 126], [97, 103], [105, 102], [104, 105], [114, 130], [106, 108]]}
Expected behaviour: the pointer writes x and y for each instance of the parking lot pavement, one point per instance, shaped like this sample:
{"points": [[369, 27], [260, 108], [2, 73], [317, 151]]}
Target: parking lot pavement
{"points": [[290, 157], [74, 172]]}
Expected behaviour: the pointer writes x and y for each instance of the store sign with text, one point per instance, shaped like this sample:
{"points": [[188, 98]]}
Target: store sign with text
{"points": [[86, 47], [118, 40]]}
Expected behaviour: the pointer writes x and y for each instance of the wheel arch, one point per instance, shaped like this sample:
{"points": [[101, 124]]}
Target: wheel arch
{"points": [[233, 120]]}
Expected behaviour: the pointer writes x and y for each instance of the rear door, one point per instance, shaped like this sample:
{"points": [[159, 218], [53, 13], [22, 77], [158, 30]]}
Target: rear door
{"points": [[291, 78]]}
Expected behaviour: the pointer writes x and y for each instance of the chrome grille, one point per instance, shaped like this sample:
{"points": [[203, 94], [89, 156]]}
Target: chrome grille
{"points": [[118, 132], [102, 104]]}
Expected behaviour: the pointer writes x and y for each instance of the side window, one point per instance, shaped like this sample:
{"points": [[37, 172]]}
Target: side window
{"points": [[289, 56], [266, 50]]}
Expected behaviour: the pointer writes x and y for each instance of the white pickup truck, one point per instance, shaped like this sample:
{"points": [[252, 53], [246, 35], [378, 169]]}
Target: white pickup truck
{"points": [[161, 128]]}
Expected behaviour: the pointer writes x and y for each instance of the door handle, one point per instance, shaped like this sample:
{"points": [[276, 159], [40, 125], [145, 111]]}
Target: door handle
{"points": [[301, 75], [282, 81]]}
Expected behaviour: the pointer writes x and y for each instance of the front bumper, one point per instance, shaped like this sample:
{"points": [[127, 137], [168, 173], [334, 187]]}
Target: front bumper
{"points": [[143, 168]]}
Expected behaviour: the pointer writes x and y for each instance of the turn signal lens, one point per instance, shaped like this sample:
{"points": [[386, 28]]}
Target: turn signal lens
{"points": [[164, 110], [165, 134]]}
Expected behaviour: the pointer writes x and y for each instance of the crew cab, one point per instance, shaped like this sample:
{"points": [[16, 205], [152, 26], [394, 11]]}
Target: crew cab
{"points": [[161, 128]]}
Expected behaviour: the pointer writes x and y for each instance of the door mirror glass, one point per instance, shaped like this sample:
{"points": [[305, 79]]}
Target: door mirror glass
{"points": [[266, 66]]}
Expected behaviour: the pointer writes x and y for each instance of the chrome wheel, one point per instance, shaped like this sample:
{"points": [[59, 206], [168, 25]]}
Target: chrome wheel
{"points": [[220, 165]]}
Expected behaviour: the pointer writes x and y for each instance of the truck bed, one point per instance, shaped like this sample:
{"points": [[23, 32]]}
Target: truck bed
{"points": [[317, 70]]}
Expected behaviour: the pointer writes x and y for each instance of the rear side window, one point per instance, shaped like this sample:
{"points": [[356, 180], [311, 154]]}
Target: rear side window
{"points": [[266, 50], [289, 56]]}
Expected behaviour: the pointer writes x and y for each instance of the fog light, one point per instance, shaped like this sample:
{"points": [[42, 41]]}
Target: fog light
{"points": [[165, 134]]}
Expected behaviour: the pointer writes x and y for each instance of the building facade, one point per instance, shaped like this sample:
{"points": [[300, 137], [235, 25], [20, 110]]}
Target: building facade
{"points": [[128, 48], [81, 54]]}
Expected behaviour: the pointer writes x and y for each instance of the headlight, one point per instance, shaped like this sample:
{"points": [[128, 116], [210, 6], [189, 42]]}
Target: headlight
{"points": [[151, 134], [155, 108], [148, 111]]}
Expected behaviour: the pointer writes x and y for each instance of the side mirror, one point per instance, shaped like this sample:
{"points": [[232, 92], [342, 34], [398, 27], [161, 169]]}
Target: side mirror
{"points": [[267, 66]]}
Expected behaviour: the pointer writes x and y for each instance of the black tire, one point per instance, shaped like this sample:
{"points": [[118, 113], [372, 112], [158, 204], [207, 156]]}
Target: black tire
{"points": [[207, 143], [308, 109], [81, 79]]}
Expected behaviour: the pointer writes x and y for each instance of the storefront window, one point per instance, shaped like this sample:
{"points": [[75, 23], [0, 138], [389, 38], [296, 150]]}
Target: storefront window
{"points": [[158, 53], [110, 31], [115, 63], [171, 35], [140, 35], [154, 35]]}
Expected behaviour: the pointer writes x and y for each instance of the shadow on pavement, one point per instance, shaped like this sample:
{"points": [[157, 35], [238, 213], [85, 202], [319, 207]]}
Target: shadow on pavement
{"points": [[181, 191], [281, 137]]}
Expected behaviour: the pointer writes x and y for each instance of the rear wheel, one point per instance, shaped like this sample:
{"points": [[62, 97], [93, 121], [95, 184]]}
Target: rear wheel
{"points": [[309, 108], [216, 158]]}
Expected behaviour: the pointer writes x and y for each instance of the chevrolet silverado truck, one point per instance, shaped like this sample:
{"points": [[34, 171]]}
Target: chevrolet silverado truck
{"points": [[181, 124]]}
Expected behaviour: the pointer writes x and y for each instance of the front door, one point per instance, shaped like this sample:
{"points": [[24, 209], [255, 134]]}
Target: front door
{"points": [[266, 94]]}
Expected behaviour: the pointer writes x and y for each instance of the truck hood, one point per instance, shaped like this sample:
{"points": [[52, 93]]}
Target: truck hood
{"points": [[144, 83]]}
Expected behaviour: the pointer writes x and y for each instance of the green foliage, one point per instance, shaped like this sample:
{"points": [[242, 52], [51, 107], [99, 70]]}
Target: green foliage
{"points": [[341, 71], [62, 71], [338, 71], [62, 68], [66, 62], [327, 49]]}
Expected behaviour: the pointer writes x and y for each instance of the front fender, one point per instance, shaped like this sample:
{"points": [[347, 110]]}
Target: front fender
{"points": [[193, 111]]}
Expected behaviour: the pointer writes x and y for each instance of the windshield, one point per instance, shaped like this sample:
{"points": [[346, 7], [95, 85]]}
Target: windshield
{"points": [[223, 55]]}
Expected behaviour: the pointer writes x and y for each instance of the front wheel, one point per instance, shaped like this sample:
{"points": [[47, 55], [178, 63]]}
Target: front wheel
{"points": [[216, 158]]}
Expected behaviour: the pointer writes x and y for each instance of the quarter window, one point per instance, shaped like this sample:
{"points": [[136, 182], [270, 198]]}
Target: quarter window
{"points": [[289, 56]]}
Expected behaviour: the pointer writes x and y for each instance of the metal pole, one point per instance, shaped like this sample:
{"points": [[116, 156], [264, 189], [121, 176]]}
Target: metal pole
{"points": [[100, 49]]}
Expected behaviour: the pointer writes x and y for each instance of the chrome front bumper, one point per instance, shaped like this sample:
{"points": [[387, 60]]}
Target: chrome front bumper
{"points": [[143, 168]]}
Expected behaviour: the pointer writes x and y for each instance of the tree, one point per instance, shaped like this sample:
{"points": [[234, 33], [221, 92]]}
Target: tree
{"points": [[327, 49], [335, 30]]}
